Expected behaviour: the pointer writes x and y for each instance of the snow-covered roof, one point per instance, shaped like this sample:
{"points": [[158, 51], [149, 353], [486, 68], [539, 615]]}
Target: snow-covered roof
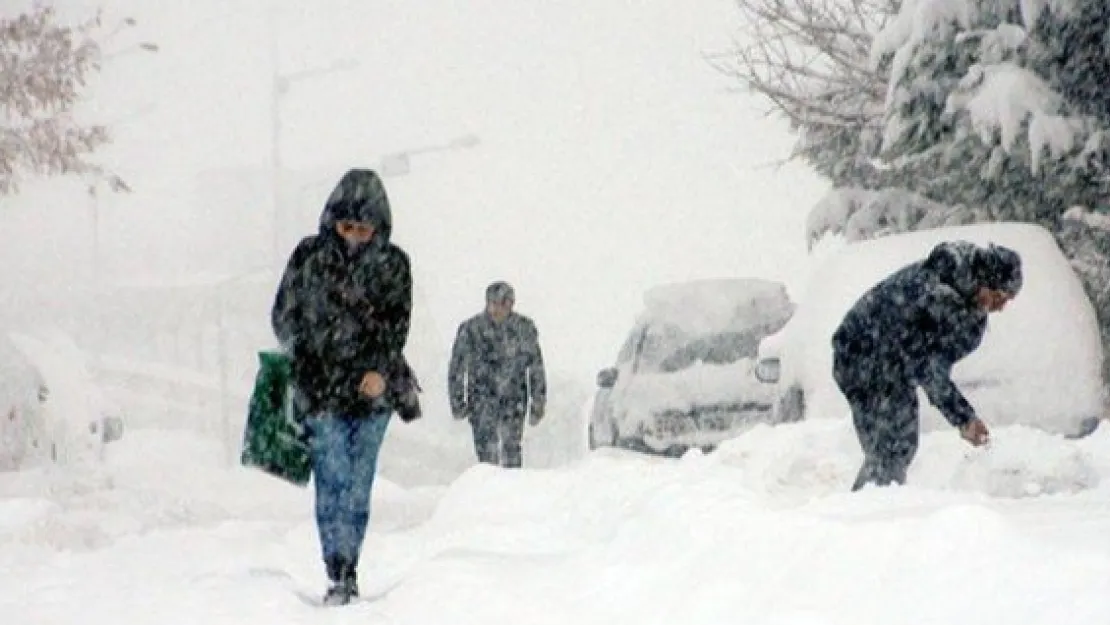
{"points": [[700, 307]]}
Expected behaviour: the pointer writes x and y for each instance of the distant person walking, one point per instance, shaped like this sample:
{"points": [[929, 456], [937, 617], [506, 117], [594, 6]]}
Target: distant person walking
{"points": [[496, 377]]}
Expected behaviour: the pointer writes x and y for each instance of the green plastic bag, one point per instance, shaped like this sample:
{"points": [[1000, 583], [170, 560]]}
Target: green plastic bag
{"points": [[275, 440]]}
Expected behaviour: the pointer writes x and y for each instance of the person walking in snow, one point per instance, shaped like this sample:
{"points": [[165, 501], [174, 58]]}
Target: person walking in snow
{"points": [[496, 368], [908, 331], [342, 313]]}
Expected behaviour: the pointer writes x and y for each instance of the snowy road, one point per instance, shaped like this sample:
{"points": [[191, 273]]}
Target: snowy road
{"points": [[615, 538]]}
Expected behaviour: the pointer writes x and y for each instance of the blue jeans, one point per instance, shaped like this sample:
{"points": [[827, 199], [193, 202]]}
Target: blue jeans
{"points": [[344, 461]]}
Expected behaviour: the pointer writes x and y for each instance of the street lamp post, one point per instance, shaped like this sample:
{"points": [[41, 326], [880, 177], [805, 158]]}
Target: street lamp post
{"points": [[142, 46], [94, 203], [279, 87], [95, 199], [399, 163]]}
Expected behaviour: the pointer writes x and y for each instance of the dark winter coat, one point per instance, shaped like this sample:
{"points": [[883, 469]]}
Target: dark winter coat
{"points": [[496, 365], [341, 312], [912, 327]]}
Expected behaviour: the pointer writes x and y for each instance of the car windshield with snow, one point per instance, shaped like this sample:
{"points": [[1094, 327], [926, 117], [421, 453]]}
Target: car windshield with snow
{"points": [[684, 376]]}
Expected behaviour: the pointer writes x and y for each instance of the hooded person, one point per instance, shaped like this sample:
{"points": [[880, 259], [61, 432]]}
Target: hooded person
{"points": [[342, 313], [908, 331]]}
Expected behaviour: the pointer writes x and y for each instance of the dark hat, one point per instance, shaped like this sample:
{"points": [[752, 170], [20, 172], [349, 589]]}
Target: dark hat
{"points": [[500, 292], [999, 268]]}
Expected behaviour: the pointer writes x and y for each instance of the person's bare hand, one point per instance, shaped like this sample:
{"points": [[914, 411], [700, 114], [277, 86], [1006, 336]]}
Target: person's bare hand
{"points": [[372, 384], [976, 432]]}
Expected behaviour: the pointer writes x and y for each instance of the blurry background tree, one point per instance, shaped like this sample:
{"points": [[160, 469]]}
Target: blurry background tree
{"points": [[810, 60], [45, 67]]}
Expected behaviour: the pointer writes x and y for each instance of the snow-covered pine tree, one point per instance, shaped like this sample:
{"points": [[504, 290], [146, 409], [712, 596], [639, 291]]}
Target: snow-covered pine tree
{"points": [[978, 110], [44, 68], [998, 110]]}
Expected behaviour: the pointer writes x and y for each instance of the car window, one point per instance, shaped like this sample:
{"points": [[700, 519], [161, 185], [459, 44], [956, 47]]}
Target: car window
{"points": [[717, 349], [656, 342]]}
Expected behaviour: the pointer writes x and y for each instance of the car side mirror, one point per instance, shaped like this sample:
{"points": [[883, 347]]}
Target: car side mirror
{"points": [[607, 378], [113, 429], [768, 370]]}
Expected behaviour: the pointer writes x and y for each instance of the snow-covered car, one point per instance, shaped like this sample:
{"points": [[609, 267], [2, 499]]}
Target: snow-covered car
{"points": [[1039, 363], [22, 394], [74, 420], [684, 376]]}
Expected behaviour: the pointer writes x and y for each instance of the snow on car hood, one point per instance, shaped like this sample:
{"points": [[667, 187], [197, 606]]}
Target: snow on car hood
{"points": [[698, 385]]}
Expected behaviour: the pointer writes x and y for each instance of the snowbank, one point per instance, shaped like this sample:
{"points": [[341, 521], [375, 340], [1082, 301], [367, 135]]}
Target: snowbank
{"points": [[153, 481], [623, 539], [759, 532], [797, 462]]}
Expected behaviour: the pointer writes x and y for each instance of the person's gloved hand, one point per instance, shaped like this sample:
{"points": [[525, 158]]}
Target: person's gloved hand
{"points": [[537, 414], [976, 432]]}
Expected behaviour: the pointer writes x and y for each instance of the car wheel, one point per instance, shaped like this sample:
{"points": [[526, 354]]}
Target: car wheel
{"points": [[112, 429], [792, 405], [596, 442], [614, 435]]}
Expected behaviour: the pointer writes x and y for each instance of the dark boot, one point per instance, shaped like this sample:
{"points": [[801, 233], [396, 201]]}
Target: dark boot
{"points": [[342, 587], [350, 578]]}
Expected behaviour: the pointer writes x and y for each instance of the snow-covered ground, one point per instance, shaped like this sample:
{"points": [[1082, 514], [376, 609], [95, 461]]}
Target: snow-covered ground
{"points": [[761, 532]]}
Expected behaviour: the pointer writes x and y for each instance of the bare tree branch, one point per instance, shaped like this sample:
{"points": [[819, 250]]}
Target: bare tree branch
{"points": [[810, 60], [45, 67]]}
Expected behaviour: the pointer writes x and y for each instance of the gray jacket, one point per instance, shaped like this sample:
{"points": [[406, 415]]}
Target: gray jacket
{"points": [[496, 365]]}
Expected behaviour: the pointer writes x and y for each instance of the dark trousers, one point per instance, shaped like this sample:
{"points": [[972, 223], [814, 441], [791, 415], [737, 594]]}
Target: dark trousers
{"points": [[344, 462], [885, 415], [499, 434]]}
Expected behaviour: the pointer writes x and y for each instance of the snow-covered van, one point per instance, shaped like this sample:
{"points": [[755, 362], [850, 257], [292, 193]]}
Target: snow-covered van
{"points": [[73, 419], [1039, 363], [684, 376], [22, 394]]}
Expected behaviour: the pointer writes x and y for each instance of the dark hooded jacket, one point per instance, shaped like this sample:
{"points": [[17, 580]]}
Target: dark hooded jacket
{"points": [[912, 327], [340, 311]]}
